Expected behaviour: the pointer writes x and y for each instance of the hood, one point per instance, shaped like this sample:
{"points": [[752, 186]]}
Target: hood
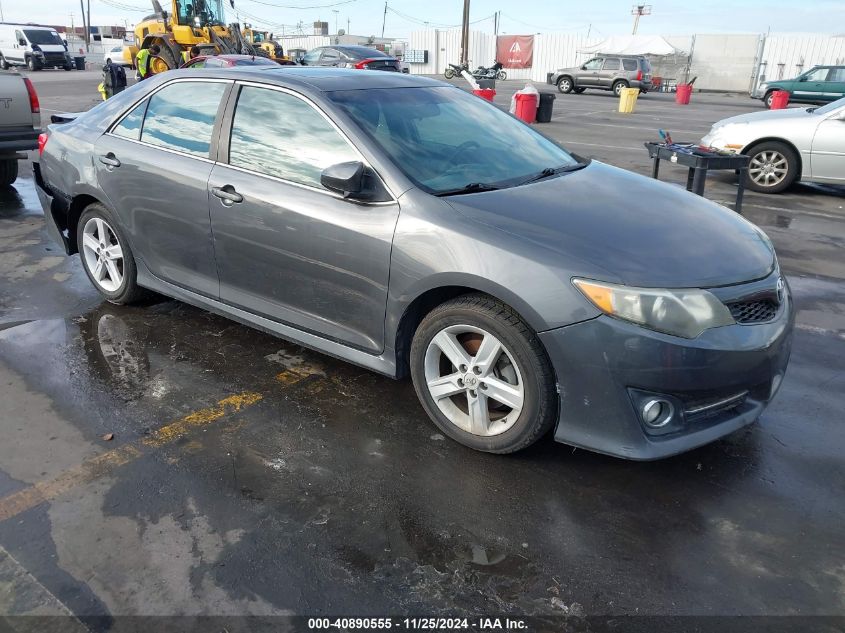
{"points": [[52, 48], [765, 115], [644, 232]]}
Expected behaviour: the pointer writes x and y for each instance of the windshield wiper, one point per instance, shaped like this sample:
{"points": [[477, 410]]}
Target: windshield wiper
{"points": [[473, 187], [553, 171]]}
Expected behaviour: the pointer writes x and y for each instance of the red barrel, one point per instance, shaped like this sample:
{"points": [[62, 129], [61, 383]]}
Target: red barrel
{"points": [[780, 98], [683, 93], [526, 107], [485, 93]]}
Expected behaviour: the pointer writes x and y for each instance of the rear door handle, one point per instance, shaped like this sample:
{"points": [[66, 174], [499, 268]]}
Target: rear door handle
{"points": [[227, 194], [109, 160]]}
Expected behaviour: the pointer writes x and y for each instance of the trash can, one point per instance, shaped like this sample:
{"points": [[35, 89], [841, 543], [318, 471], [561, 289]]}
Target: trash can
{"points": [[780, 99], [544, 110], [487, 83], [628, 99], [80, 63], [526, 107], [682, 94], [485, 93]]}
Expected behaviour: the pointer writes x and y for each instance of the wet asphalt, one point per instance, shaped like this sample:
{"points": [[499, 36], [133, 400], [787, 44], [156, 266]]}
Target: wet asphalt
{"points": [[243, 475]]}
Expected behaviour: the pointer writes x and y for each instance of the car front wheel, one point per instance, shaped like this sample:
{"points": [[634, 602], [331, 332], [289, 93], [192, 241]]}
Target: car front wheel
{"points": [[564, 85], [483, 376], [772, 168], [106, 256]]}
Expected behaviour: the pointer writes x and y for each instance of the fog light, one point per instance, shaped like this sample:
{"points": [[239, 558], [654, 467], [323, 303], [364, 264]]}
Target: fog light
{"points": [[657, 413], [775, 385]]}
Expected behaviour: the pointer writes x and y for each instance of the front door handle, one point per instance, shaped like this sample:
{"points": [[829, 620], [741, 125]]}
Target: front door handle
{"points": [[109, 160], [227, 194]]}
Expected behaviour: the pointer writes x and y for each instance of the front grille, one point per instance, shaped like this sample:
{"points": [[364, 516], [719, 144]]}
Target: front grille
{"points": [[747, 312]]}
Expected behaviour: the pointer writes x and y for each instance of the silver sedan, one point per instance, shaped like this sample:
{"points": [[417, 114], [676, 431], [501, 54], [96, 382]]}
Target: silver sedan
{"points": [[805, 144]]}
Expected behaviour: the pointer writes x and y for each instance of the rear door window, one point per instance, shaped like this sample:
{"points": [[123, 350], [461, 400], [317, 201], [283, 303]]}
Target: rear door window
{"points": [[611, 63], [836, 74], [181, 116], [130, 126], [629, 64], [330, 56]]}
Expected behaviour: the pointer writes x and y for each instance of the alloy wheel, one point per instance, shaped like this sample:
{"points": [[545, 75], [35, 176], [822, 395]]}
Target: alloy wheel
{"points": [[103, 254], [768, 168], [474, 380]]}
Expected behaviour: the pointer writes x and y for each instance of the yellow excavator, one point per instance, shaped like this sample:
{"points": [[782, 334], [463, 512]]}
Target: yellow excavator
{"points": [[200, 23], [263, 43]]}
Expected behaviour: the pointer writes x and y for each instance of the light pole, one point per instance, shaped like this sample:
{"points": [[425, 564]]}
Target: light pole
{"points": [[637, 11], [335, 11]]}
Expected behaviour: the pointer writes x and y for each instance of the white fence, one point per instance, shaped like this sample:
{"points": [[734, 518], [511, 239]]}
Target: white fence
{"points": [[729, 62]]}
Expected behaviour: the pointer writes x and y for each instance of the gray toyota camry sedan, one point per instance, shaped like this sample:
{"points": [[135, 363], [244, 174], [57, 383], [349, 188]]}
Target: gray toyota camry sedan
{"points": [[416, 230]]}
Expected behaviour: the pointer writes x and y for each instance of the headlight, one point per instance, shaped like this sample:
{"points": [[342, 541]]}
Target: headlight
{"points": [[684, 312]]}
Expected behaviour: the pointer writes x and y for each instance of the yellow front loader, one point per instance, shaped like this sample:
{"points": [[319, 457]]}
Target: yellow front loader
{"points": [[263, 43], [200, 23]]}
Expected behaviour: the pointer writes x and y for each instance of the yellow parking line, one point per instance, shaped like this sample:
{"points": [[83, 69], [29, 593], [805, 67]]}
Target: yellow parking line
{"points": [[105, 463]]}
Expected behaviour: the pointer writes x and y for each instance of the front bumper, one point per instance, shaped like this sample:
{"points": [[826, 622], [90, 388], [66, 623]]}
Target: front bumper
{"points": [[606, 368]]}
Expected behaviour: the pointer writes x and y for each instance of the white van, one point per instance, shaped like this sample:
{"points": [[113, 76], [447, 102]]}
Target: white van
{"points": [[35, 47]]}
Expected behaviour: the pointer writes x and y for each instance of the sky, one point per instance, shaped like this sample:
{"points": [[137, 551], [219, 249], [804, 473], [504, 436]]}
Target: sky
{"points": [[604, 17]]}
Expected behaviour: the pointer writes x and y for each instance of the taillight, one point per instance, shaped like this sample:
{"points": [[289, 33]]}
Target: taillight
{"points": [[363, 64], [34, 106], [42, 142], [639, 75]]}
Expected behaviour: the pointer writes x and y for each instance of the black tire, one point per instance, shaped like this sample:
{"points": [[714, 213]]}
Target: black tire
{"points": [[617, 87], [8, 171], [767, 99], [565, 85], [32, 64], [540, 410], [129, 291], [4, 65], [108, 60], [169, 58], [448, 73], [578, 91], [762, 154], [67, 67]]}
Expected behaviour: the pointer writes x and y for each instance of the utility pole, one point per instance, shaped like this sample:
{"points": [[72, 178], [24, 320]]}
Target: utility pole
{"points": [[637, 11], [88, 34], [2, 19], [496, 19], [335, 11], [347, 26], [384, 19], [465, 34]]}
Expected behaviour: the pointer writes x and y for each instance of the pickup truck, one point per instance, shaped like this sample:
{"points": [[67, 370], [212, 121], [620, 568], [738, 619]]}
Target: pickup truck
{"points": [[20, 123]]}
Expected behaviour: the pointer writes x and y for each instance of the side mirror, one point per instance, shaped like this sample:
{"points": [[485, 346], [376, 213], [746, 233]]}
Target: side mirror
{"points": [[22, 42], [802, 78], [344, 178]]}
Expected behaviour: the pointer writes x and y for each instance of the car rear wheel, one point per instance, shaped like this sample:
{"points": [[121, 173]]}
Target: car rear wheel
{"points": [[618, 86], [4, 65], [8, 171], [772, 168], [564, 85], [482, 375], [106, 256], [770, 95]]}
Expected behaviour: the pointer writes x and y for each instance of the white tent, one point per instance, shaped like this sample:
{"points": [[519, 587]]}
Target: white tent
{"points": [[634, 45]]}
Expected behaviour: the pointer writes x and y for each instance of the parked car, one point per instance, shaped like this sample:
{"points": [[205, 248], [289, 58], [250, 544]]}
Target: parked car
{"points": [[375, 218], [605, 72], [20, 123], [228, 61], [786, 145], [117, 55], [35, 47], [820, 84], [360, 57]]}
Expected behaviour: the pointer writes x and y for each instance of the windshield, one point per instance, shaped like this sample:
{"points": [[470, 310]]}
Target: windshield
{"points": [[202, 12], [830, 107], [445, 139], [42, 37]]}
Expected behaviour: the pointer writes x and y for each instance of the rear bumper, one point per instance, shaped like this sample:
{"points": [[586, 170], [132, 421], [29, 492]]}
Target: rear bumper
{"points": [[607, 369], [19, 140], [55, 218]]}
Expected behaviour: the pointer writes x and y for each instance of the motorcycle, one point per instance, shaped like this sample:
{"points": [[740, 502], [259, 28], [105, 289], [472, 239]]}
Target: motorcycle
{"points": [[455, 69], [493, 72]]}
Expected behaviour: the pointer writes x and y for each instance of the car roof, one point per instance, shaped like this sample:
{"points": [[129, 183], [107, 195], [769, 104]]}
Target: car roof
{"points": [[313, 78]]}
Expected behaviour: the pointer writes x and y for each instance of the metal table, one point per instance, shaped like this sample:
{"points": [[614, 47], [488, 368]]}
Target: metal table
{"points": [[699, 163]]}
